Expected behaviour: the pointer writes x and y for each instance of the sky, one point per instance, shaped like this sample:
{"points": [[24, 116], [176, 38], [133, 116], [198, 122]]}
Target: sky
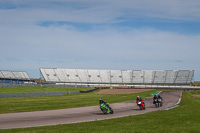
{"points": [[100, 34]]}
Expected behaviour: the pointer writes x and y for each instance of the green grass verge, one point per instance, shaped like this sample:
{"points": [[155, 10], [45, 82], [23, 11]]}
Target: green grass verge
{"points": [[9, 105], [183, 119], [38, 89], [195, 92]]}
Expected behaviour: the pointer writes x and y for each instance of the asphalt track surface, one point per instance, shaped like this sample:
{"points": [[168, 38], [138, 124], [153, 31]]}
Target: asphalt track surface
{"points": [[83, 114]]}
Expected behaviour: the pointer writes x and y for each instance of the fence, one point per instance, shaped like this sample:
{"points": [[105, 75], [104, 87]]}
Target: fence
{"points": [[31, 94]]}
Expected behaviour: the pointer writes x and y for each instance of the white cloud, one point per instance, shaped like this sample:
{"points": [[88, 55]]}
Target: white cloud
{"points": [[60, 43], [101, 11], [108, 48]]}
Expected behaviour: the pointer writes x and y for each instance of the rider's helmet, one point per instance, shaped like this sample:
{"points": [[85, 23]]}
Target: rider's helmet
{"points": [[100, 100], [138, 97], [158, 96]]}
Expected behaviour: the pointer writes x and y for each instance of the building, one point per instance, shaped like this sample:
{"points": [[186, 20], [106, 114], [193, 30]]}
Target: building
{"points": [[88, 76], [13, 77]]}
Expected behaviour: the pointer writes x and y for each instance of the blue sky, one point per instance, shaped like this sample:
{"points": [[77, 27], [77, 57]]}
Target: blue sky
{"points": [[91, 34]]}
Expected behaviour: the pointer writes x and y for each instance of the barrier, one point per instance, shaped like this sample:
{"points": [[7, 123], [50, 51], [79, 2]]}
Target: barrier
{"points": [[32, 94], [72, 92]]}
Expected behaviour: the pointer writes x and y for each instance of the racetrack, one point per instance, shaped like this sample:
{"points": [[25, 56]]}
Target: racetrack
{"points": [[121, 91], [82, 114]]}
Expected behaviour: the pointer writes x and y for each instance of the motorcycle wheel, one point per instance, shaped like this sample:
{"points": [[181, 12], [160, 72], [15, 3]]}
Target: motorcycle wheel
{"points": [[140, 107], [111, 111]]}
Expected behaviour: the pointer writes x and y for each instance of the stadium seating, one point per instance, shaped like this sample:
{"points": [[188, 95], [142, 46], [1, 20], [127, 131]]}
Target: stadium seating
{"points": [[14, 75], [138, 77], [190, 77], [160, 77], [72, 75], [83, 75], [8, 74], [182, 76], [148, 76], [61, 74], [126, 76], [94, 76], [117, 76], [105, 76], [51, 75], [170, 77]]}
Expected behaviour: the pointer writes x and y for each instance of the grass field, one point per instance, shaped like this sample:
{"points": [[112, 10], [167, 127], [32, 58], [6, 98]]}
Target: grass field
{"points": [[9, 105], [183, 119], [38, 89]]}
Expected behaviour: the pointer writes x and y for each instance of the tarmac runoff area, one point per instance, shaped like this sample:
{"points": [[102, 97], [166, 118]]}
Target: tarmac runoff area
{"points": [[84, 114]]}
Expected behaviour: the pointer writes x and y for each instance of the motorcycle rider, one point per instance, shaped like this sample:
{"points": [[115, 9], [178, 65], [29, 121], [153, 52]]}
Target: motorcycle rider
{"points": [[105, 105], [159, 97], [139, 99], [155, 98], [101, 101]]}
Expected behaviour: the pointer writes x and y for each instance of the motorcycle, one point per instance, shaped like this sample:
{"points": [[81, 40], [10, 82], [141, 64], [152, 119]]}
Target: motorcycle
{"points": [[156, 103], [106, 109], [140, 105], [160, 102]]}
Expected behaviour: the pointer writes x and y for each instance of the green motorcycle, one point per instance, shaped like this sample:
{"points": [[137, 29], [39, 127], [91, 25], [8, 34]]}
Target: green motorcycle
{"points": [[105, 108]]}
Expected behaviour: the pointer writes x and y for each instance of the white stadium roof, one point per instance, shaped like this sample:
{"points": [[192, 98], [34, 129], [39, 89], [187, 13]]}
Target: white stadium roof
{"points": [[117, 76], [18, 75]]}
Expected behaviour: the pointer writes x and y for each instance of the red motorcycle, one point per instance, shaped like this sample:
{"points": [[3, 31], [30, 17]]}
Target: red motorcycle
{"points": [[141, 104]]}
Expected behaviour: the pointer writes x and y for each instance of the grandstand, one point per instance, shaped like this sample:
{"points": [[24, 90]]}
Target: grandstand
{"points": [[87, 76], [13, 77]]}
